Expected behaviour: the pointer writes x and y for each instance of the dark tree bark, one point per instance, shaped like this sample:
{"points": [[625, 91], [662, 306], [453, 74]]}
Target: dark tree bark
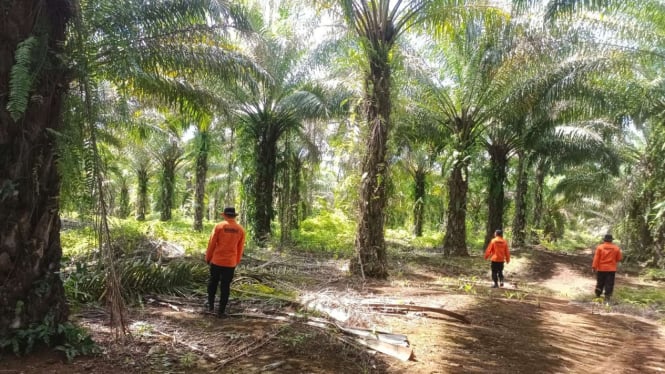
{"points": [[123, 209], [284, 189], [264, 182], [201, 174], [419, 202], [168, 191], [142, 177], [454, 241], [289, 215], [370, 242], [30, 250], [496, 196], [295, 195], [169, 162], [538, 195], [519, 220]]}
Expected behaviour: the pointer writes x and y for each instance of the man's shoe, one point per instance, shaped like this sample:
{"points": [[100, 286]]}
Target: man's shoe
{"points": [[501, 285], [222, 315], [495, 286]]}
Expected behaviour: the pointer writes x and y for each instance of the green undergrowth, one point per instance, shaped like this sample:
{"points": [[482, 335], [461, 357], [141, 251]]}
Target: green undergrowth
{"points": [[571, 242], [141, 266], [71, 339], [130, 235], [645, 296], [328, 232], [654, 274]]}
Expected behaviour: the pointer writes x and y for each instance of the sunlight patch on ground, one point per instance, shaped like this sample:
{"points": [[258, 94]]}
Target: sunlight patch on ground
{"points": [[517, 265], [568, 282]]}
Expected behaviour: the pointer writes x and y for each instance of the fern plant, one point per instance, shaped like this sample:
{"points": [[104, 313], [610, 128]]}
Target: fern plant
{"points": [[22, 76]]}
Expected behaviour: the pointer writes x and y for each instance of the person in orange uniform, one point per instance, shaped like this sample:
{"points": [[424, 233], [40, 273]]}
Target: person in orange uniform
{"points": [[225, 248], [499, 253], [605, 265]]}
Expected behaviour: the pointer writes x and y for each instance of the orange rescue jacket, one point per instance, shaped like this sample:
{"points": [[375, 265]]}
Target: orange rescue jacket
{"points": [[498, 250], [226, 244], [606, 257]]}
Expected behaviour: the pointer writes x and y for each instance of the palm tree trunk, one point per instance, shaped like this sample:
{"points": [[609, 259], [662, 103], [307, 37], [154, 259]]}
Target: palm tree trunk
{"points": [[370, 242], [124, 200], [284, 201], [538, 195], [454, 242], [519, 221], [495, 196], [142, 194], [264, 184], [419, 203], [294, 196], [201, 172], [168, 190], [30, 250]]}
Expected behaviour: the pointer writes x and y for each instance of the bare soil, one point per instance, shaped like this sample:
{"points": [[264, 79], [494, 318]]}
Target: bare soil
{"points": [[542, 321]]}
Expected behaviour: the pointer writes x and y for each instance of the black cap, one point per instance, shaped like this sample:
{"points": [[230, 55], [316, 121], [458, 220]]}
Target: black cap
{"points": [[607, 238], [230, 211], [498, 232]]}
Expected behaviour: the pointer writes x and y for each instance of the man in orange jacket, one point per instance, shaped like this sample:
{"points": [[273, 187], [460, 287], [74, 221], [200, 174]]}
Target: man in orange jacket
{"points": [[498, 251], [605, 265], [225, 248]]}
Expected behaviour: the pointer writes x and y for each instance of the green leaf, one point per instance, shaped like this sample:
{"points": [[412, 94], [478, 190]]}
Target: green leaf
{"points": [[21, 78]]}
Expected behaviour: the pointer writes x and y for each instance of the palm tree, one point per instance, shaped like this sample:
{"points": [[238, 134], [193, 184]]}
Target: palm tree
{"points": [[471, 89], [32, 79], [377, 26], [266, 112], [420, 142]]}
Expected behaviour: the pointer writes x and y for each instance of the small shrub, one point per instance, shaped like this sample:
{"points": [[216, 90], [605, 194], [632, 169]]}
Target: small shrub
{"points": [[327, 232], [72, 340]]}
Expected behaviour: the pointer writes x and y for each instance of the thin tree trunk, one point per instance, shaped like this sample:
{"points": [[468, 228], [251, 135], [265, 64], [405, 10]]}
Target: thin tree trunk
{"points": [[454, 242], [370, 242], [30, 250], [419, 202], [519, 220], [201, 172], [496, 196]]}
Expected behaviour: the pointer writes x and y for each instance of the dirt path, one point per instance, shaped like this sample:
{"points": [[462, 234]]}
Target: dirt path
{"points": [[542, 322]]}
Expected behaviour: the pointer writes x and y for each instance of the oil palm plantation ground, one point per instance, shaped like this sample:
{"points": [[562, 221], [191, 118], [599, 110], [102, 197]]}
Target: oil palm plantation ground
{"points": [[544, 320]]}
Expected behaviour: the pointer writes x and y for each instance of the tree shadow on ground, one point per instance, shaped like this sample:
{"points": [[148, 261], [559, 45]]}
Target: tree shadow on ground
{"points": [[509, 336]]}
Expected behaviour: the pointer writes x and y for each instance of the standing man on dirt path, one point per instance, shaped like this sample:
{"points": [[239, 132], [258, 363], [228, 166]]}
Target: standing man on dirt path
{"points": [[499, 252], [605, 265], [225, 248]]}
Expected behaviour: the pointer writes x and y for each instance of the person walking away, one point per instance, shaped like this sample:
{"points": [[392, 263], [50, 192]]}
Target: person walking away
{"points": [[497, 251], [605, 265], [224, 252]]}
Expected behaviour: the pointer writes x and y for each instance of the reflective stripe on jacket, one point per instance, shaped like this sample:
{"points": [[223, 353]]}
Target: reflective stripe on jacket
{"points": [[498, 250], [606, 257], [226, 244]]}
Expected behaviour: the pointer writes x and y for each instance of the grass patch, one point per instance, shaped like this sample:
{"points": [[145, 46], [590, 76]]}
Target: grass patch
{"points": [[642, 296], [654, 274]]}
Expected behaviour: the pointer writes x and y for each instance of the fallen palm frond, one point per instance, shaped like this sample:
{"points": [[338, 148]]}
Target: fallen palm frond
{"points": [[395, 345], [404, 308], [198, 350], [137, 277], [251, 347]]}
